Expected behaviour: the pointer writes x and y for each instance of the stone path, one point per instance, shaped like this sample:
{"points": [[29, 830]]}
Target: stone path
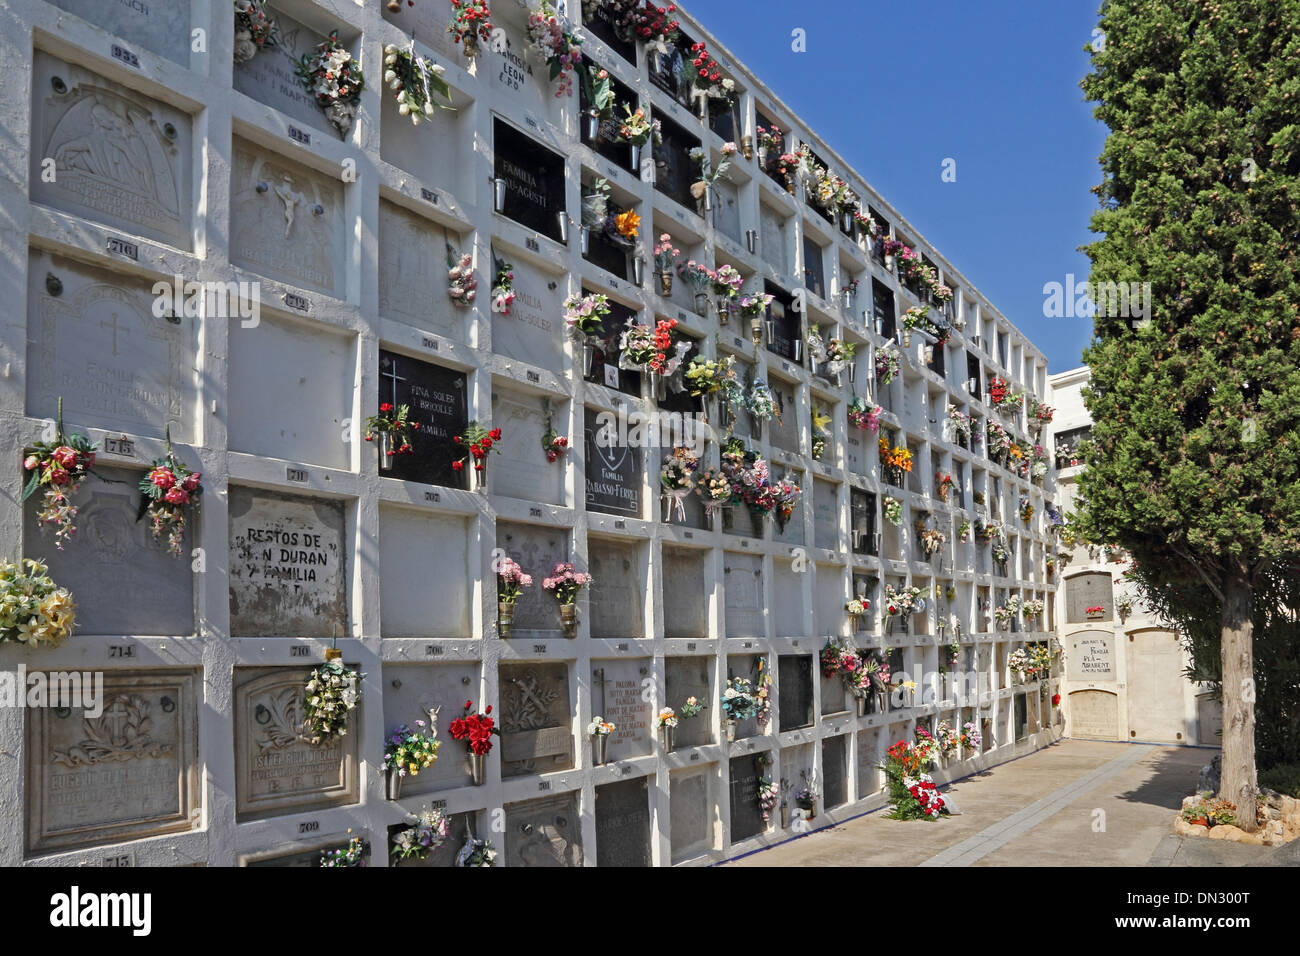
{"points": [[1076, 803]]}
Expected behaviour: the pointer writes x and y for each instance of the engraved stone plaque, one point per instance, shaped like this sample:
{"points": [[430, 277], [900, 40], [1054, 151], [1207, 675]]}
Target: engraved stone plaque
{"points": [[128, 772]]}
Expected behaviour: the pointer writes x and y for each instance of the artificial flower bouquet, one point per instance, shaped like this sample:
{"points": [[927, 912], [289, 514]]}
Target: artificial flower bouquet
{"points": [[566, 583], [332, 76], [59, 466], [407, 751], [585, 314], [477, 441], [475, 728], [166, 491], [331, 693], [33, 609], [427, 831], [394, 426]]}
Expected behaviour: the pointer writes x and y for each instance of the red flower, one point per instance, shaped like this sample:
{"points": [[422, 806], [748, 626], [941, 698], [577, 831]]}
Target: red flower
{"points": [[177, 496], [162, 478], [59, 476], [495, 434], [65, 456], [457, 466], [385, 407], [192, 482]]}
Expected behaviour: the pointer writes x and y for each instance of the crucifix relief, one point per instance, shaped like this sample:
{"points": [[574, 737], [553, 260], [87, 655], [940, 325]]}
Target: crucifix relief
{"points": [[116, 328]]}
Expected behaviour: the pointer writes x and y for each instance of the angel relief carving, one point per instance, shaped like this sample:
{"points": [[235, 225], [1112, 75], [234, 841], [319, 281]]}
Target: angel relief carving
{"points": [[122, 732]]}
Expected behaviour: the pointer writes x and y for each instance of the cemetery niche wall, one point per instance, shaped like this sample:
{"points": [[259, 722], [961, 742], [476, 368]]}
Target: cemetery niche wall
{"points": [[360, 274]]}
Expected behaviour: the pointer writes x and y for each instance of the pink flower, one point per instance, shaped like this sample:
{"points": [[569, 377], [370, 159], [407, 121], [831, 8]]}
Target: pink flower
{"points": [[30, 462], [177, 496], [59, 476], [163, 478], [192, 482]]}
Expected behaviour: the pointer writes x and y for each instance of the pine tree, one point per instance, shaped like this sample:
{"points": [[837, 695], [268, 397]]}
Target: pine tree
{"points": [[1194, 464]]}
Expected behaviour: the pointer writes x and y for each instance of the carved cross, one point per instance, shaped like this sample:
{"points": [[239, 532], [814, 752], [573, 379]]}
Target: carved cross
{"points": [[392, 375], [115, 719], [114, 326]]}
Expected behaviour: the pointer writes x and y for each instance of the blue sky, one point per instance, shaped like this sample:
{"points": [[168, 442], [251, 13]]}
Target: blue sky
{"points": [[896, 88]]}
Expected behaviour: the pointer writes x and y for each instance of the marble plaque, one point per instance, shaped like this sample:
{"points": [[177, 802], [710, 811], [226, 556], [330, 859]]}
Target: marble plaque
{"points": [[788, 328], [287, 565], [546, 832], [795, 691], [870, 754], [1090, 589], [119, 157], [1093, 713], [617, 591], [773, 244], [279, 368], [743, 589], [828, 600], [521, 470], [617, 694], [112, 561], [435, 694], [536, 726], [411, 543], [1091, 656], [689, 677], [690, 812], [785, 433], [835, 786], [746, 816], [444, 855], [537, 549], [413, 272], [623, 823], [277, 769], [533, 331], [438, 401], [159, 27], [826, 515], [287, 221], [270, 76], [746, 666], [835, 698], [428, 22], [98, 345], [433, 151], [129, 772], [675, 171], [726, 212], [789, 619], [686, 594], [613, 483], [535, 181]]}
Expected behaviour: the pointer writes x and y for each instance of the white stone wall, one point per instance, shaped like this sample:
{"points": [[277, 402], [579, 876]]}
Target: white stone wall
{"points": [[1142, 695], [265, 411]]}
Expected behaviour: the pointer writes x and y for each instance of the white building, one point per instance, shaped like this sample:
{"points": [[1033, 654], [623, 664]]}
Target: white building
{"points": [[150, 156], [1124, 672]]}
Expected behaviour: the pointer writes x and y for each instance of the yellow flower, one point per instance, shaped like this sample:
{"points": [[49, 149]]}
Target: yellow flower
{"points": [[627, 224]]}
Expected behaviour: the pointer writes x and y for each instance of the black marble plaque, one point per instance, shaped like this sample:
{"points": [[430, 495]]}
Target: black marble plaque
{"points": [[786, 331], [610, 21], [606, 142], [675, 171], [613, 473], [534, 178], [437, 397], [671, 71], [862, 518], [604, 364], [882, 305], [795, 690], [814, 270], [623, 823], [746, 816]]}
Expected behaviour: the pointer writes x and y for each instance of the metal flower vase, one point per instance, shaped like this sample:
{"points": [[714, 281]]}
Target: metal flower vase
{"points": [[599, 749], [569, 619], [476, 767], [393, 785]]}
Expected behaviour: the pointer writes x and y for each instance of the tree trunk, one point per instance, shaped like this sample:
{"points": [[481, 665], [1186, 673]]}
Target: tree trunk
{"points": [[1237, 783]]}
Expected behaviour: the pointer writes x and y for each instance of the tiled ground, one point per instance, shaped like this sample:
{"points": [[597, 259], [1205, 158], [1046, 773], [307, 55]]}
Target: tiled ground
{"points": [[1076, 803]]}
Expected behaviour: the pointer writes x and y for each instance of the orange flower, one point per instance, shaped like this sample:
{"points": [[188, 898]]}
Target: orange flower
{"points": [[627, 224]]}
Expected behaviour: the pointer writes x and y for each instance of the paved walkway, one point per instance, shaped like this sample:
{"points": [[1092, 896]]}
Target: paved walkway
{"points": [[1076, 803]]}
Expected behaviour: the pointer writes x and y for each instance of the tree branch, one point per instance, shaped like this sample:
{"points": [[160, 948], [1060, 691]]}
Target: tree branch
{"points": [[1217, 591]]}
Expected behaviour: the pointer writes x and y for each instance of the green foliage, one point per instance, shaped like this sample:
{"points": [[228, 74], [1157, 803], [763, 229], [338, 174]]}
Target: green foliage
{"points": [[1194, 457], [1284, 778]]}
